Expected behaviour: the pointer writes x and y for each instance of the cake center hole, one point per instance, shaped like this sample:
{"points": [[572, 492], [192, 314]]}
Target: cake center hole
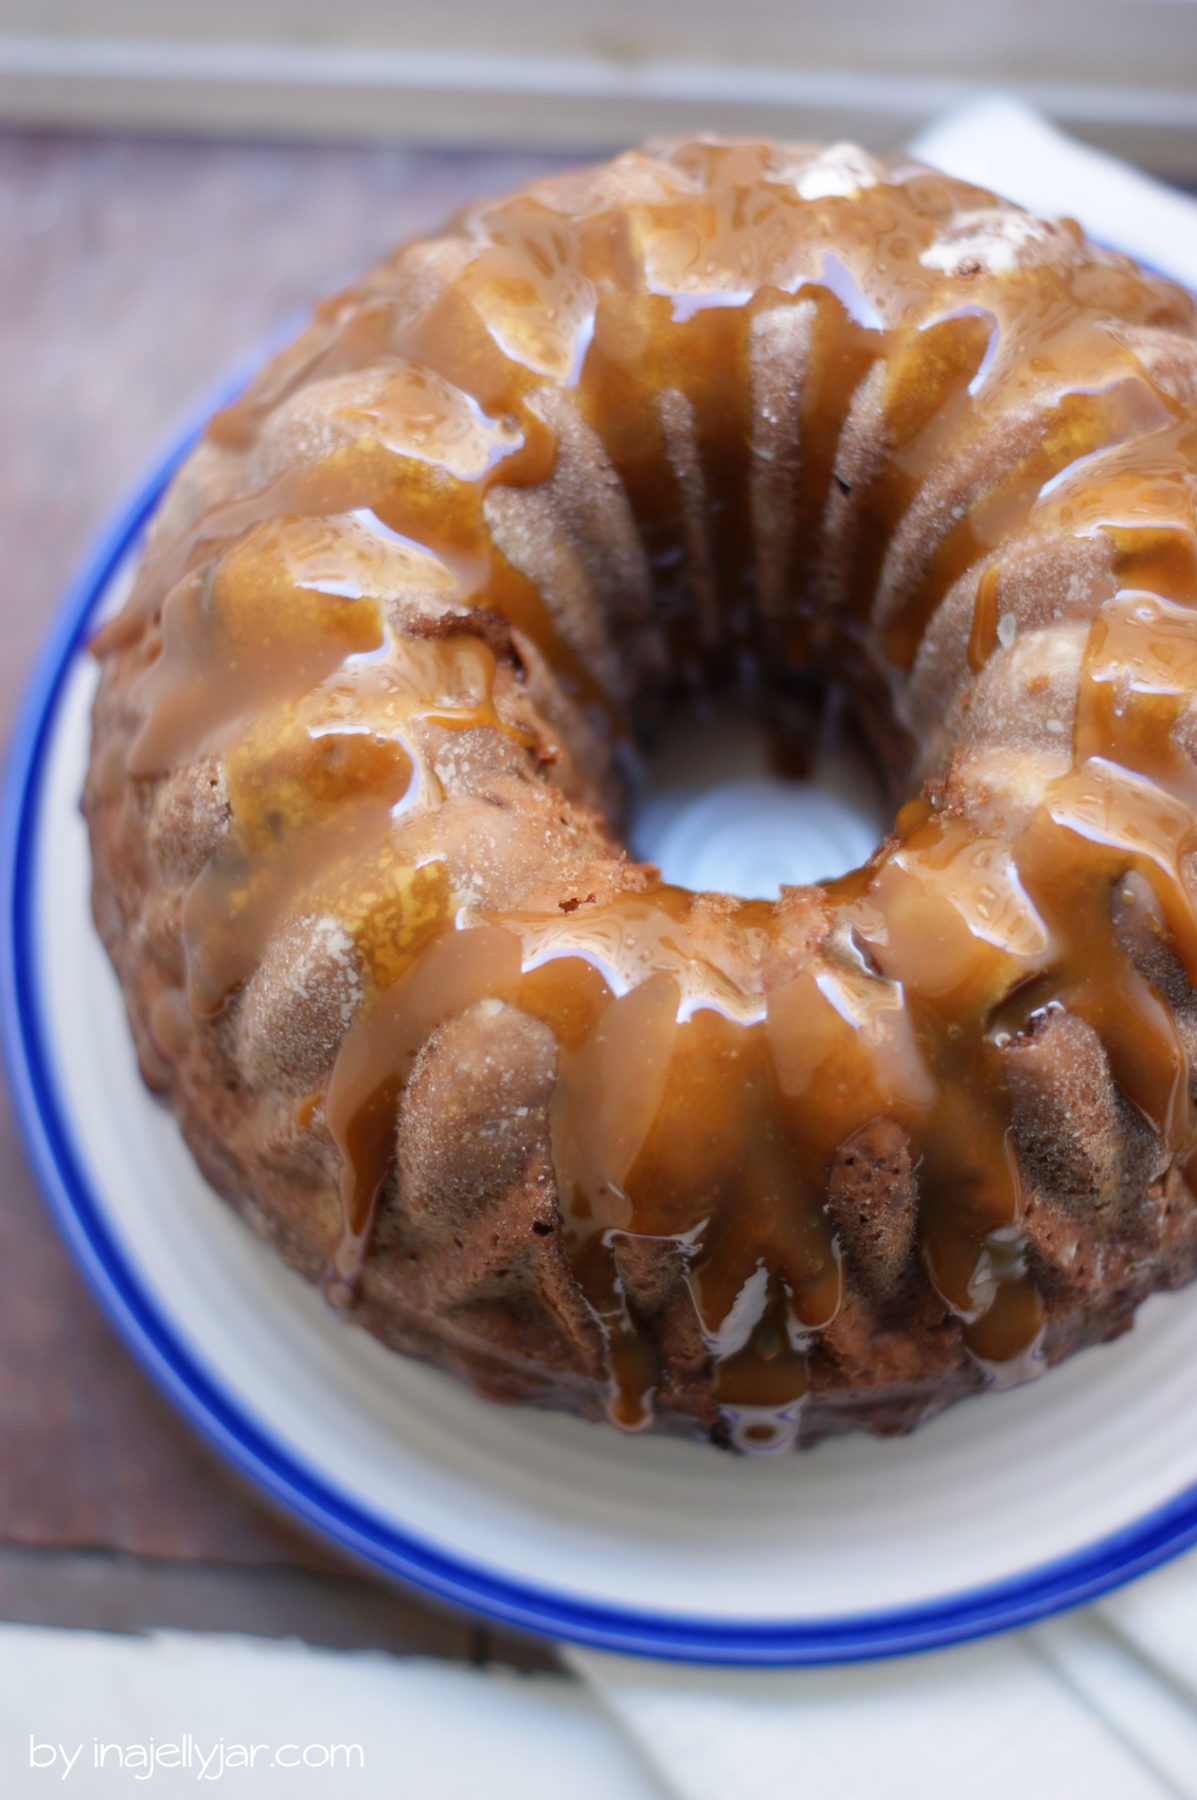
{"points": [[712, 811]]}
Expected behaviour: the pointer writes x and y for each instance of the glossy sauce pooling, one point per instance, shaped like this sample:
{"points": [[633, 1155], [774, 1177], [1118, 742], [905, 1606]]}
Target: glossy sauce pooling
{"points": [[825, 396]]}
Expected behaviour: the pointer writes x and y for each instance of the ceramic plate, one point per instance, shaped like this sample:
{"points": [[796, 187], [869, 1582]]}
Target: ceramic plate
{"points": [[1006, 1509]]}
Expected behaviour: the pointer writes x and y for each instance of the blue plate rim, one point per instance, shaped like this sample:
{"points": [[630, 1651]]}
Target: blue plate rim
{"points": [[1039, 1593]]}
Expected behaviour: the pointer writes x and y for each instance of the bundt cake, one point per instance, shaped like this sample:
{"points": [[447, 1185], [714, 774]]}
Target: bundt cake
{"points": [[766, 415]]}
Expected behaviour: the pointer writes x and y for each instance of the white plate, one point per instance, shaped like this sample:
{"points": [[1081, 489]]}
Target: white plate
{"points": [[1007, 1508]]}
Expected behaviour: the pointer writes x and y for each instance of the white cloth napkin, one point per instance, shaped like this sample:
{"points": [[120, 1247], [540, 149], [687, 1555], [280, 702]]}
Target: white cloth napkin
{"points": [[90, 1714], [1100, 1703]]}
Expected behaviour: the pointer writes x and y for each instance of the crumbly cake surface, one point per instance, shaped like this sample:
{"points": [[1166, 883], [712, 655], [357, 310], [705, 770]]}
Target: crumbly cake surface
{"points": [[754, 1171]]}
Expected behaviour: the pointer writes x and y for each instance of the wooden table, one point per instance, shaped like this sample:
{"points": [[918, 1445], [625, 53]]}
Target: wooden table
{"points": [[133, 275]]}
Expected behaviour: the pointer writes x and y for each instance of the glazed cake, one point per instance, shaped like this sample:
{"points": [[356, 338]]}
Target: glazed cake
{"points": [[713, 414]]}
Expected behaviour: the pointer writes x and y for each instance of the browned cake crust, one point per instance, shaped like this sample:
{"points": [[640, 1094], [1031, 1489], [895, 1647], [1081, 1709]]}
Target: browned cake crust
{"points": [[754, 1171]]}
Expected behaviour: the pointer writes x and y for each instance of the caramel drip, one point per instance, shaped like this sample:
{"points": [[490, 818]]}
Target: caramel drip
{"points": [[329, 816], [711, 1063]]}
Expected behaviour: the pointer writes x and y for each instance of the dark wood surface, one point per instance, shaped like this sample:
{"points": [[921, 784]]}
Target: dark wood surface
{"points": [[133, 275]]}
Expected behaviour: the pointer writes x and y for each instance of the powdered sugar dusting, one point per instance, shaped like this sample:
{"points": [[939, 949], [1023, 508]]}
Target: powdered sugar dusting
{"points": [[841, 170], [992, 240], [300, 1002]]}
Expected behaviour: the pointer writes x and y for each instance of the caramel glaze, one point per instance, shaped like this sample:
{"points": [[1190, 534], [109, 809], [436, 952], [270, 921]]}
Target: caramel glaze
{"points": [[831, 399]]}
